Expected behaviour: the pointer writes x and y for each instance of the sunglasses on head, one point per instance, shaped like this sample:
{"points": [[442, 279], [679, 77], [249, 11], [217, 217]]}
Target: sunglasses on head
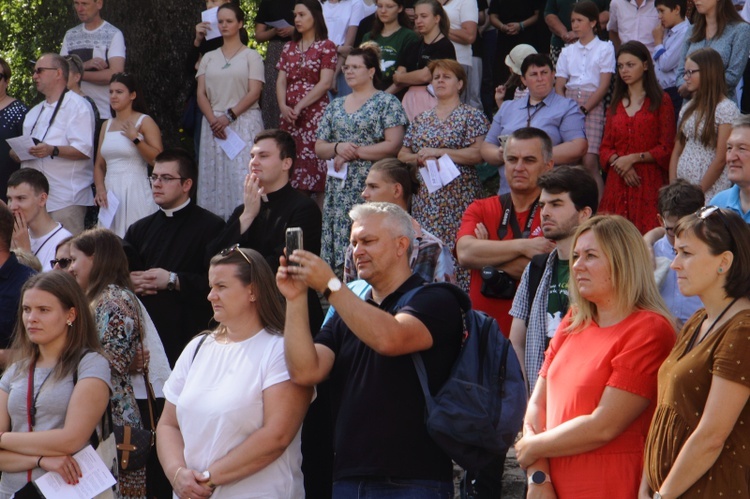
{"points": [[228, 251], [61, 262]]}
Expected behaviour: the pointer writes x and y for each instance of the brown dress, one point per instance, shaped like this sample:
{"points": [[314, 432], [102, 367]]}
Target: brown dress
{"points": [[684, 382]]}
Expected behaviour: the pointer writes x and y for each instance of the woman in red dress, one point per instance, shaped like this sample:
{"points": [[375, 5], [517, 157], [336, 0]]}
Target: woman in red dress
{"points": [[306, 72], [587, 420], [638, 139]]}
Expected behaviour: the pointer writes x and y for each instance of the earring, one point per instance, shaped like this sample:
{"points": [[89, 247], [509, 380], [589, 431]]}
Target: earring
{"points": [[69, 323], [721, 270]]}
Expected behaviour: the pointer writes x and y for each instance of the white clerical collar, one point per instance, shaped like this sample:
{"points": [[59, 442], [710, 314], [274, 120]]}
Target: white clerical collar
{"points": [[170, 212]]}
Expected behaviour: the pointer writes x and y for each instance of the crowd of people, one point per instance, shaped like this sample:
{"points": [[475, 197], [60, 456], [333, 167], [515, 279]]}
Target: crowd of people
{"points": [[155, 284]]}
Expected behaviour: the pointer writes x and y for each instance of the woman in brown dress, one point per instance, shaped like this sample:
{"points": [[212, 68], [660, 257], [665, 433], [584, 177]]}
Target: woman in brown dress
{"points": [[699, 442]]}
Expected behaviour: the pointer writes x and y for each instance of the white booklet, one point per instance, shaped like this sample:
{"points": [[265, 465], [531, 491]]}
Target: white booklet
{"points": [[210, 16], [21, 146], [107, 215], [232, 145], [95, 480], [438, 174]]}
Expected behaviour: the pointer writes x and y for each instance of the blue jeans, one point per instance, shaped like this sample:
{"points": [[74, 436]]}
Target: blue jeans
{"points": [[391, 488]]}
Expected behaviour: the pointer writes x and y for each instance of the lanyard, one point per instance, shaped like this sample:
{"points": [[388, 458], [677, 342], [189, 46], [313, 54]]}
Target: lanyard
{"points": [[31, 400], [509, 216], [52, 119], [529, 114], [46, 240]]}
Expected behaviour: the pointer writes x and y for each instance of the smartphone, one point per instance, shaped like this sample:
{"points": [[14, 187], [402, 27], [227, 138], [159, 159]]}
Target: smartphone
{"points": [[293, 241]]}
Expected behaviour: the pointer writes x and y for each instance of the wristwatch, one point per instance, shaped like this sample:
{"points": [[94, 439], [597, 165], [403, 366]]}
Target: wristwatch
{"points": [[539, 478], [172, 281], [334, 284], [136, 141], [55, 152], [584, 110], [207, 477]]}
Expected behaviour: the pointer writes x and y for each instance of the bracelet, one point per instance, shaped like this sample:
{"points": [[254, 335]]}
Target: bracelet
{"points": [[521, 25], [335, 149], [39, 462], [584, 110], [175, 475]]}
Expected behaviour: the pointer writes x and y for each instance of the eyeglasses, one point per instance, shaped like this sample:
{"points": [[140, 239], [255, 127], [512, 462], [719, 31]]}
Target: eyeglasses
{"points": [[164, 178], [62, 262], [690, 72], [38, 71], [228, 251]]}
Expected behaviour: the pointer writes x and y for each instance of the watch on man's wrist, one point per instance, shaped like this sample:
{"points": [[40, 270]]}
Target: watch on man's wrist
{"points": [[334, 284], [55, 152], [172, 283], [539, 478]]}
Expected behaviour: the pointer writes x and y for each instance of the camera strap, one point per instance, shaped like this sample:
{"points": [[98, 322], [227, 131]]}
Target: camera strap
{"points": [[52, 119], [509, 217]]}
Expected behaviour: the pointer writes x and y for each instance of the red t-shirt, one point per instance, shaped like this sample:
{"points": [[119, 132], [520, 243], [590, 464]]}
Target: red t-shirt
{"points": [[489, 212]]}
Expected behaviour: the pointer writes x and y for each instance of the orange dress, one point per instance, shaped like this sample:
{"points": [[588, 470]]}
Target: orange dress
{"points": [[577, 368], [684, 383]]}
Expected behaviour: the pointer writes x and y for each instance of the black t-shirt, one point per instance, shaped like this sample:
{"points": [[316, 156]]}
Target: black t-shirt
{"points": [[380, 407], [419, 54], [274, 10]]}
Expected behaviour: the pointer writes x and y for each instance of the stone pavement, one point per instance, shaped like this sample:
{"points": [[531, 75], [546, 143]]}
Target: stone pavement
{"points": [[514, 479]]}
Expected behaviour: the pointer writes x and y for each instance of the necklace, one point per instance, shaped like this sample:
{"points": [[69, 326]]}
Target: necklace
{"points": [[693, 341], [229, 59]]}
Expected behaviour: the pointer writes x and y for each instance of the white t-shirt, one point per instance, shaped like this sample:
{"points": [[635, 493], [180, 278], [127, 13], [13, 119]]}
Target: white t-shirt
{"points": [[583, 64], [44, 247], [360, 10], [219, 400], [104, 42], [338, 16], [69, 179], [460, 11]]}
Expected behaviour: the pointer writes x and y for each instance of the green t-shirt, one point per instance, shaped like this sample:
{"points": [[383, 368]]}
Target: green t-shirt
{"points": [[557, 300], [390, 48]]}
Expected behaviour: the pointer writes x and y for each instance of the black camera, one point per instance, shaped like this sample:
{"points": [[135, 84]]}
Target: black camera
{"points": [[497, 284]]}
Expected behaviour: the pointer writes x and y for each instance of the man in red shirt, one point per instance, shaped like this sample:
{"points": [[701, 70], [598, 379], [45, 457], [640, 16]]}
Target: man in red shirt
{"points": [[502, 233]]}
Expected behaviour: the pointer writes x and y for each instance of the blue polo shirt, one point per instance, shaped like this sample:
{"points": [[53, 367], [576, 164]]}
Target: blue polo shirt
{"points": [[730, 199], [13, 275]]}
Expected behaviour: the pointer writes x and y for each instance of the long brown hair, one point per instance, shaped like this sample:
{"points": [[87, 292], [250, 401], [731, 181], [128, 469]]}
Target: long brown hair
{"points": [[650, 84], [403, 20], [437, 10], [110, 264], [725, 14], [316, 10], [712, 89], [270, 302], [81, 335]]}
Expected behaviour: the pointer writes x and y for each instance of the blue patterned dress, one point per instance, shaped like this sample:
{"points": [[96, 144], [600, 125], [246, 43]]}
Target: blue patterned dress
{"points": [[365, 126], [440, 212], [117, 319]]}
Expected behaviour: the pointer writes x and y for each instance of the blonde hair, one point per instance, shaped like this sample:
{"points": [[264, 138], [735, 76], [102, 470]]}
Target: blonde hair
{"points": [[630, 266]]}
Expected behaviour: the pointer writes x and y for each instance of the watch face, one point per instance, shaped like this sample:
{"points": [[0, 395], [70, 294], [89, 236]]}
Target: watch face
{"points": [[538, 477], [334, 284]]}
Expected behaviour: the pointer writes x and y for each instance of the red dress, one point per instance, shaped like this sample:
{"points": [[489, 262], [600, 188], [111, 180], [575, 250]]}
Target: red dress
{"points": [[578, 367], [646, 131], [302, 74]]}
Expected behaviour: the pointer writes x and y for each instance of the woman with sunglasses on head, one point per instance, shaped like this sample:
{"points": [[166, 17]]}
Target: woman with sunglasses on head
{"points": [[59, 376], [699, 442], [235, 377], [128, 143], [62, 255], [12, 113]]}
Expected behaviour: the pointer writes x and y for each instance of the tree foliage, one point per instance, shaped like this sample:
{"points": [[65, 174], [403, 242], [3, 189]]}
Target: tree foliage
{"points": [[158, 37]]}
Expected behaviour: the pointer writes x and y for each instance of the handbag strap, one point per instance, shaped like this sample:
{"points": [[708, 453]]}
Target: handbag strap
{"points": [[150, 395]]}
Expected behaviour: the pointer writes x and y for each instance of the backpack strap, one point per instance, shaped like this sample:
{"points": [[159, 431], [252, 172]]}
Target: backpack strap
{"points": [[200, 344], [536, 271]]}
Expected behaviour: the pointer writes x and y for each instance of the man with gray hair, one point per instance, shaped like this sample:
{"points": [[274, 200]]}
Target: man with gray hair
{"points": [[381, 441], [737, 197], [62, 127]]}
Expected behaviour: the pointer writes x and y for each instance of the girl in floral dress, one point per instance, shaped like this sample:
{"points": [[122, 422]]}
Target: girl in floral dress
{"points": [[306, 72]]}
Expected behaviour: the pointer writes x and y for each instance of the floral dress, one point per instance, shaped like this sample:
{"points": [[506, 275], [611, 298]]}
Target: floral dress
{"points": [[440, 212], [302, 74], [696, 157], [365, 126], [117, 319]]}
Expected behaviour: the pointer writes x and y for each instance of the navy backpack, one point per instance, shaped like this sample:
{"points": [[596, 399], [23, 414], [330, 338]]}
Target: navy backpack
{"points": [[479, 410]]}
